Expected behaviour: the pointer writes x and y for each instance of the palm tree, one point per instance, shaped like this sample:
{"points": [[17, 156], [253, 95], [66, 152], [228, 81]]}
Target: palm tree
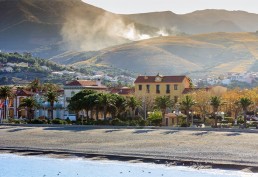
{"points": [[5, 93], [35, 85], [245, 103], [51, 97], [105, 101], [133, 103], [187, 103], [30, 104], [215, 102], [162, 103]]}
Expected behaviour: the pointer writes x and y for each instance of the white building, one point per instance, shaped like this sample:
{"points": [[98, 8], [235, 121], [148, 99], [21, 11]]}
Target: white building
{"points": [[73, 87]]}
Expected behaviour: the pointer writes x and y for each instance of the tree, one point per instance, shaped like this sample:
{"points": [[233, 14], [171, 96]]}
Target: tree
{"points": [[120, 104], [80, 100], [34, 86], [105, 101], [49, 86], [162, 103], [133, 103], [51, 97], [30, 104], [202, 98], [187, 103], [215, 102], [155, 118], [5, 93], [245, 103]]}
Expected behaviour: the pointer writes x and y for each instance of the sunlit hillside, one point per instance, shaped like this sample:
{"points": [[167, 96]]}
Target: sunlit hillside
{"points": [[214, 53]]}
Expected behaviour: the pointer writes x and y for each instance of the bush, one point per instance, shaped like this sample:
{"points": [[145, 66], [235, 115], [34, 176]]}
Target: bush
{"points": [[90, 122], [116, 122], [182, 122], [102, 122], [155, 118], [58, 121], [230, 120], [209, 122], [38, 121]]}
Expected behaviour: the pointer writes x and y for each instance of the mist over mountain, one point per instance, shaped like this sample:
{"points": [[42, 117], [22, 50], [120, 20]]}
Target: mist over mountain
{"points": [[73, 32]]}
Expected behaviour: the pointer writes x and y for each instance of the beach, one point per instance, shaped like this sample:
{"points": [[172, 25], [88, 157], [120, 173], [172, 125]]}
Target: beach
{"points": [[181, 147]]}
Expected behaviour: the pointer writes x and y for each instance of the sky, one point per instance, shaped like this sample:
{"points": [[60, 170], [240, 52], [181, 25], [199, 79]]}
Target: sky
{"points": [[176, 6]]}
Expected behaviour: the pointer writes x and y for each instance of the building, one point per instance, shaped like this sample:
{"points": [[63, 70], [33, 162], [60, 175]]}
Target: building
{"points": [[73, 87], [153, 86], [44, 110], [123, 91]]}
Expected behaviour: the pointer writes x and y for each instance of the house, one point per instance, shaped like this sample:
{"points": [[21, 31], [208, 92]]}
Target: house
{"points": [[153, 86], [73, 87], [123, 91], [7, 69]]}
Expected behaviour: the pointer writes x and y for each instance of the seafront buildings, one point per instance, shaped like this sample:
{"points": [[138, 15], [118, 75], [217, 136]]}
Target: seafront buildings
{"points": [[145, 88]]}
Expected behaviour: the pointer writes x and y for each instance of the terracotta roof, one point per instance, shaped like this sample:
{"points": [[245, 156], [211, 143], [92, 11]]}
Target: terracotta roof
{"points": [[188, 90], [122, 91], [23, 92], [166, 79], [84, 83]]}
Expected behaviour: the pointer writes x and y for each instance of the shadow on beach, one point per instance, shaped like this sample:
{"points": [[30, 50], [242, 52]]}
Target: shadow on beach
{"points": [[142, 131], [170, 132], [73, 129], [233, 134]]}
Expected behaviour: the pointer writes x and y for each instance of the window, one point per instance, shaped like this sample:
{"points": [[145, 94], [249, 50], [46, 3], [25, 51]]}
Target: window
{"points": [[140, 87], [157, 88], [175, 87], [168, 89], [148, 88]]}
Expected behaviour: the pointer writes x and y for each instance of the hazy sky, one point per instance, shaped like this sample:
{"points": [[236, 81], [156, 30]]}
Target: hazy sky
{"points": [[177, 6]]}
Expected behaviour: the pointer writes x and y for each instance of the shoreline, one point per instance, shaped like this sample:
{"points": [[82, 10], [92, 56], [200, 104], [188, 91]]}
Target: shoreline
{"points": [[130, 159], [198, 149]]}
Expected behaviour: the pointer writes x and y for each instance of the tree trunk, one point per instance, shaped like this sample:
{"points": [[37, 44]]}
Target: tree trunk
{"points": [[216, 120], [87, 115], [244, 118], [97, 113], [187, 116], [105, 112], [52, 111]]}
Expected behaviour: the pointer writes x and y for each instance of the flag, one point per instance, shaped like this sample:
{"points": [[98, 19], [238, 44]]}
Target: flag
{"points": [[1, 105]]}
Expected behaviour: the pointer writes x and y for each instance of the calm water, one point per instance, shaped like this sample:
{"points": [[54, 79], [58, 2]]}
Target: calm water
{"points": [[20, 166]]}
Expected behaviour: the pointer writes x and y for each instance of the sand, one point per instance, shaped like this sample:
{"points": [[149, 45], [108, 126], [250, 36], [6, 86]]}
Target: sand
{"points": [[160, 145]]}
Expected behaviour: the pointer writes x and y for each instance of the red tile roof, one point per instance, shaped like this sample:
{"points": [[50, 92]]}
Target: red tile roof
{"points": [[22, 92], [165, 79], [85, 83], [188, 90], [122, 91]]}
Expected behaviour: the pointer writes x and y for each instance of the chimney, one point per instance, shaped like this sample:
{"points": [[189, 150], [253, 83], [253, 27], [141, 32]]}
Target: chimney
{"points": [[98, 82]]}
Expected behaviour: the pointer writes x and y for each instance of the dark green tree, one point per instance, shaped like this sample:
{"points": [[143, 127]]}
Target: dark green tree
{"points": [[245, 103], [30, 104], [162, 103], [215, 102]]}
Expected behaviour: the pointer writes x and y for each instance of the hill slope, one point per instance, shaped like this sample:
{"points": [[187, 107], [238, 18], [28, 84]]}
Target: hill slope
{"points": [[50, 27], [205, 53], [203, 21]]}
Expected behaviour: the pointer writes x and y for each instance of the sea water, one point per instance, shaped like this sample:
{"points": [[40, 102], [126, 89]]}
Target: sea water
{"points": [[35, 166]]}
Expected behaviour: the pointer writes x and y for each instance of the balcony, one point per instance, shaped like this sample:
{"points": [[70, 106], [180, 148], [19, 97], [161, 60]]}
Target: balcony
{"points": [[167, 91]]}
